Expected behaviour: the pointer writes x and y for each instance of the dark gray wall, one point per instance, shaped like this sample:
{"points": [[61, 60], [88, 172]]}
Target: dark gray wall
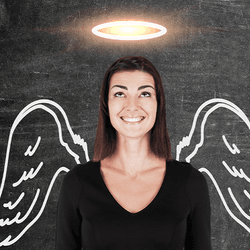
{"points": [[48, 52]]}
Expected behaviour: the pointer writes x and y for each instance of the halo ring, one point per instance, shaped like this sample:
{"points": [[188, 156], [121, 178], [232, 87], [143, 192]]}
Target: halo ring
{"points": [[162, 30]]}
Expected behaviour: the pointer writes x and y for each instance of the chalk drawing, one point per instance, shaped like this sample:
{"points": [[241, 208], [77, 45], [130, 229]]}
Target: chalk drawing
{"points": [[31, 174], [45, 105], [217, 103], [26, 176], [31, 151]]}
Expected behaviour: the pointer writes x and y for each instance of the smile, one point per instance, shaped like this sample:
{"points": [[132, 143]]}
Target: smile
{"points": [[134, 119]]}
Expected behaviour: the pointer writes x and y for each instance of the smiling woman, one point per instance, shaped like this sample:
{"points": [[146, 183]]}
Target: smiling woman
{"points": [[105, 143], [132, 195], [132, 105]]}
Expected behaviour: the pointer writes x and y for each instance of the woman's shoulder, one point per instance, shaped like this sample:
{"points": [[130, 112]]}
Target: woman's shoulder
{"points": [[85, 167], [179, 168], [195, 185], [186, 171], [81, 172]]}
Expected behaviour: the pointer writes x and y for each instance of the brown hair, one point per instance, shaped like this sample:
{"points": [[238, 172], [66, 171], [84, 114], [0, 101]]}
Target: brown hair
{"points": [[105, 142]]}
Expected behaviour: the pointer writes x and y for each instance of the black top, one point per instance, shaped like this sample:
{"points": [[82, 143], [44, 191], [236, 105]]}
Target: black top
{"points": [[90, 218]]}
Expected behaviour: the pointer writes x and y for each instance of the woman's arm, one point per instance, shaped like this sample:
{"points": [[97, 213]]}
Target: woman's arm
{"points": [[198, 225], [68, 228]]}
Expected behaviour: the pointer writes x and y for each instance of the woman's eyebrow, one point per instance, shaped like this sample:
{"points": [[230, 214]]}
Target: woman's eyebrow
{"points": [[141, 87], [145, 86], [120, 86]]}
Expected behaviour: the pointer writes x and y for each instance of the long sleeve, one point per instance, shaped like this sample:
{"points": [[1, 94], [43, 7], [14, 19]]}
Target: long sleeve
{"points": [[198, 223], [68, 233]]}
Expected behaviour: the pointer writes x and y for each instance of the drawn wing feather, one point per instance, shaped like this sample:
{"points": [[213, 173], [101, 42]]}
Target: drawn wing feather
{"points": [[218, 143], [36, 155]]}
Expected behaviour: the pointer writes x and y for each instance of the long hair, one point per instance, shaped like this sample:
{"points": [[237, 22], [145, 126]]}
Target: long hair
{"points": [[105, 141]]}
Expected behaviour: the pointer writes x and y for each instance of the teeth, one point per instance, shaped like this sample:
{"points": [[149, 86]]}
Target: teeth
{"points": [[136, 119]]}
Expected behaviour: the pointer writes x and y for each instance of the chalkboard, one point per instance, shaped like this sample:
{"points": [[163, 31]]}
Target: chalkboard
{"points": [[51, 72]]}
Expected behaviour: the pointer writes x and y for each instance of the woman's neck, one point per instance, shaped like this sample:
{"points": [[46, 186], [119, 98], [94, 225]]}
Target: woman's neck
{"points": [[133, 155]]}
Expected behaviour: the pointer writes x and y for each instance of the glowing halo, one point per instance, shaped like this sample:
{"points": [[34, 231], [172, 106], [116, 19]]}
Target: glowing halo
{"points": [[129, 30]]}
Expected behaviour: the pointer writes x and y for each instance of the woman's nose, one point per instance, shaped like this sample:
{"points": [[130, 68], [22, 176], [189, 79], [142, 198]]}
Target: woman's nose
{"points": [[132, 104]]}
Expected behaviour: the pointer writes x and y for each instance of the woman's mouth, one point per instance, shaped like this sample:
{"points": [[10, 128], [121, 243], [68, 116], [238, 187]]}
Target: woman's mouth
{"points": [[133, 119]]}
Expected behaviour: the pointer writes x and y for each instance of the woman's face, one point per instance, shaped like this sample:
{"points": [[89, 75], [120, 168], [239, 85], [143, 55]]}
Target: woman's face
{"points": [[132, 103]]}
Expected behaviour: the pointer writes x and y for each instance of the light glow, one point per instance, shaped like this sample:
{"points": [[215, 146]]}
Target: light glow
{"points": [[129, 30]]}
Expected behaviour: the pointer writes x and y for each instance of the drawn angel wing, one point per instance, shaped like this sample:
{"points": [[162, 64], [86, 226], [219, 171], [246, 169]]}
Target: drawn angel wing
{"points": [[219, 142], [41, 145]]}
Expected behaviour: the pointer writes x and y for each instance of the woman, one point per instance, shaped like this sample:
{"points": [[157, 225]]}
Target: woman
{"points": [[133, 195]]}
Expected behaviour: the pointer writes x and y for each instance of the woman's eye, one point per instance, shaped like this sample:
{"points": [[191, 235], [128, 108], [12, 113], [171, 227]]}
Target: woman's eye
{"points": [[119, 94], [145, 94]]}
